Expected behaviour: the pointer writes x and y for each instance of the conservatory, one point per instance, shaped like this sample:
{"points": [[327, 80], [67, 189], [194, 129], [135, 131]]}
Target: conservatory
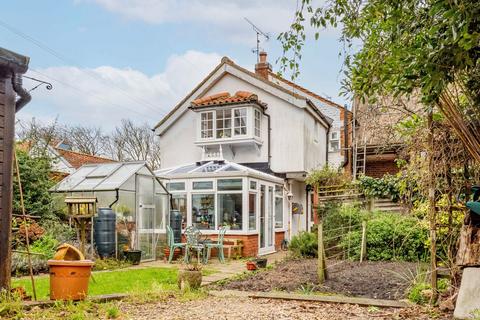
{"points": [[138, 198], [251, 204]]}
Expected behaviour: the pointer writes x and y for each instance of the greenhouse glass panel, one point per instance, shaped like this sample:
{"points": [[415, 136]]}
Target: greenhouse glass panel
{"points": [[104, 171], [119, 177], [88, 184], [74, 179]]}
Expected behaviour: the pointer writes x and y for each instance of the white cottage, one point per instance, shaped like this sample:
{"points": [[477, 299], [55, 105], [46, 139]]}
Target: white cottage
{"points": [[237, 149]]}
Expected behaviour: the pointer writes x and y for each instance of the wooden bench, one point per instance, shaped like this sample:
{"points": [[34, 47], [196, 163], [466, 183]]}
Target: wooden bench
{"points": [[235, 245]]}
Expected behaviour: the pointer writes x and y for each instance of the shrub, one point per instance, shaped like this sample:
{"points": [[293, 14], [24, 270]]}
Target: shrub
{"points": [[390, 236], [327, 176], [305, 244], [416, 292], [61, 231], [386, 187]]}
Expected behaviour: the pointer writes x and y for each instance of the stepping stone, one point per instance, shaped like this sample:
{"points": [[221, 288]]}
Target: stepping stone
{"points": [[468, 299]]}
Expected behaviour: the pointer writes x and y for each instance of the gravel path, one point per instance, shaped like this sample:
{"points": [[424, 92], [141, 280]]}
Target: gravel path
{"points": [[246, 308]]}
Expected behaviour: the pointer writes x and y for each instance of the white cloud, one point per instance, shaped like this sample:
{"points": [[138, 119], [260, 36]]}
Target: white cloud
{"points": [[227, 17], [104, 95]]}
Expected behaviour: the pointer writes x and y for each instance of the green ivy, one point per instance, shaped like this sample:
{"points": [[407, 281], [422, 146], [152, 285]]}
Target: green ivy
{"points": [[385, 187]]}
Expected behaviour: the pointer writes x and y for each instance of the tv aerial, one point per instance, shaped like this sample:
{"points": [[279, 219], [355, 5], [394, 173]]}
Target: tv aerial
{"points": [[259, 34]]}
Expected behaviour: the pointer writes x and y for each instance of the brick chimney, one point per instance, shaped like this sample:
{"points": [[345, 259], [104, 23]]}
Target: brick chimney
{"points": [[262, 68]]}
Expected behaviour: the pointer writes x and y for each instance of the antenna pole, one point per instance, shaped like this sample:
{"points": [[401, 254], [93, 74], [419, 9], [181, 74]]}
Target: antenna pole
{"points": [[259, 33]]}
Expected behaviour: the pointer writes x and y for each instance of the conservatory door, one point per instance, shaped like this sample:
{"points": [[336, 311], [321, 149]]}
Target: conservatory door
{"points": [[266, 234]]}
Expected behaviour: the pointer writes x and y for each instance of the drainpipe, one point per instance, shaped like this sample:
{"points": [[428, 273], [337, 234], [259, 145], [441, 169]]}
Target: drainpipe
{"points": [[269, 138], [25, 97], [345, 137], [116, 199]]}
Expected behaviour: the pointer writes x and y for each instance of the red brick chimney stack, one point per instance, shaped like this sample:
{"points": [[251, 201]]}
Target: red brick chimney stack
{"points": [[262, 68]]}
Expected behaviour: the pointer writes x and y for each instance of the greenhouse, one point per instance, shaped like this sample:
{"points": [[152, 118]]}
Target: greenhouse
{"points": [[137, 197]]}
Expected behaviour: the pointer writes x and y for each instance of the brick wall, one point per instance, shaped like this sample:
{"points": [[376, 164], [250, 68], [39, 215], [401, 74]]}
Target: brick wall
{"points": [[378, 169], [279, 236]]}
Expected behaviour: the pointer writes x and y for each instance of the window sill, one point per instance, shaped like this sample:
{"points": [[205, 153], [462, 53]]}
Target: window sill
{"points": [[236, 140]]}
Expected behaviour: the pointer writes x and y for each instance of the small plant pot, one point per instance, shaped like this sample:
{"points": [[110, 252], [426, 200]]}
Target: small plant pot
{"points": [[176, 253], [190, 279], [251, 266], [69, 279], [261, 262], [134, 256]]}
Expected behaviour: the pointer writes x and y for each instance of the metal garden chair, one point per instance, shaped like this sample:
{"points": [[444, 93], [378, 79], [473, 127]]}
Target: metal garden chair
{"points": [[172, 244], [193, 236], [218, 245]]}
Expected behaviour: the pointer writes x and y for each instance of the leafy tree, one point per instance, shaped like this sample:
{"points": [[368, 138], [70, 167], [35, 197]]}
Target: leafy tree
{"points": [[427, 48], [36, 182]]}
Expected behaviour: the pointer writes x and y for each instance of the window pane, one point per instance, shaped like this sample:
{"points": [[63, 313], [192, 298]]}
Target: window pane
{"points": [[240, 121], [206, 125], [203, 211], [334, 145], [230, 211], [229, 184], [175, 186], [270, 217], [252, 211], [202, 185], [253, 185], [179, 202], [278, 191], [278, 212], [224, 123]]}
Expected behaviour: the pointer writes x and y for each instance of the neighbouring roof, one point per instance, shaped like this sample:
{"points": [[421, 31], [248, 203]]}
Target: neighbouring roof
{"points": [[227, 61], [306, 91], [224, 98], [212, 169], [99, 177], [77, 159], [14, 61]]}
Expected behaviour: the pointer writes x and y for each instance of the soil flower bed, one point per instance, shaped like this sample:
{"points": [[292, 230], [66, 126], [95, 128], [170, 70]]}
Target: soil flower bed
{"points": [[379, 280]]}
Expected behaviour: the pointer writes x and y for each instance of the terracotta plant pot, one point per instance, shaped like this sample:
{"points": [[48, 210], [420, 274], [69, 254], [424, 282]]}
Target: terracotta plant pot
{"points": [[176, 253], [188, 278], [69, 279], [251, 266], [134, 256]]}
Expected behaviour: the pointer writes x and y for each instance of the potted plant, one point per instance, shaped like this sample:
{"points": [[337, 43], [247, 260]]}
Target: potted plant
{"points": [[190, 276], [129, 226], [251, 265], [261, 262]]}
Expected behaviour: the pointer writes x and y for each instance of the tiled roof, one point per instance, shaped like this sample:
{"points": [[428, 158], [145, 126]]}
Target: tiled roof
{"points": [[224, 98], [77, 159]]}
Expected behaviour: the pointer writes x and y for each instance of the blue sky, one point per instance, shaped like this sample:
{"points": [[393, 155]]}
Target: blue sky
{"points": [[137, 58]]}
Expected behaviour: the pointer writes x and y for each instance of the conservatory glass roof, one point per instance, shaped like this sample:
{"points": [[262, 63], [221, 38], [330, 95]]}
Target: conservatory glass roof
{"points": [[212, 169], [96, 177]]}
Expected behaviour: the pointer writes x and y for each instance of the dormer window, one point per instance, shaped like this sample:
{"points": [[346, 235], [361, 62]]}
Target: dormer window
{"points": [[225, 119]]}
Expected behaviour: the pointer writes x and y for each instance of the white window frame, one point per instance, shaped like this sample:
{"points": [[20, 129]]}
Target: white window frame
{"points": [[257, 119], [202, 129], [240, 126], [281, 204], [224, 121], [331, 139]]}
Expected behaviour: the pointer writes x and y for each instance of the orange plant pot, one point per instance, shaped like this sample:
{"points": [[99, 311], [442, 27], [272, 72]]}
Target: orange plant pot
{"points": [[69, 279], [251, 266]]}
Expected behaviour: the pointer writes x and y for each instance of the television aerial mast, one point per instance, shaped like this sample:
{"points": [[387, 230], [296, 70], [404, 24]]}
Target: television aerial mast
{"points": [[259, 33]]}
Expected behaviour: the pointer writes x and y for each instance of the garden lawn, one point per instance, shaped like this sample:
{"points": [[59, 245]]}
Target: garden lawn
{"points": [[107, 282]]}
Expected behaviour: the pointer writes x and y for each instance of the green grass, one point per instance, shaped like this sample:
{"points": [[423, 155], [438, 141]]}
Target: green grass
{"points": [[121, 281]]}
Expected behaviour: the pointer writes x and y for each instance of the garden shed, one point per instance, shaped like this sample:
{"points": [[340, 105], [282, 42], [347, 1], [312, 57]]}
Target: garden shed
{"points": [[138, 198]]}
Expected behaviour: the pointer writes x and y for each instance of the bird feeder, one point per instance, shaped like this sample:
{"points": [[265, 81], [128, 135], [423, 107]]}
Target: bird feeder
{"points": [[81, 211]]}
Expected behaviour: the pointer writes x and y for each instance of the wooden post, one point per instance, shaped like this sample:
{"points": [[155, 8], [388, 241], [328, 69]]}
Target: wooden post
{"points": [[7, 128], [363, 250], [432, 210], [322, 264]]}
